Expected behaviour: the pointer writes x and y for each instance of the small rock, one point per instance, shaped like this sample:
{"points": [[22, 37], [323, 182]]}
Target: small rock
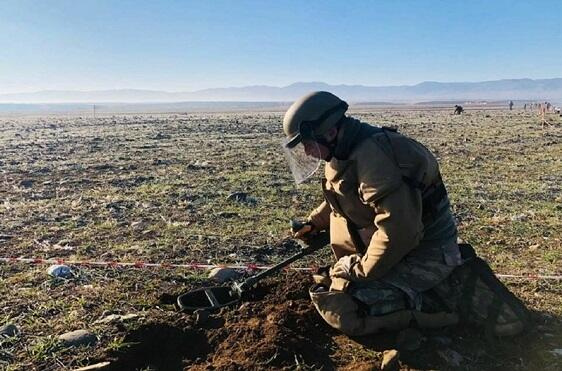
{"points": [[242, 197], [201, 316], [557, 352], [227, 214], [129, 316], [237, 196], [534, 247], [390, 360], [26, 183], [59, 271], [519, 218], [222, 275], [9, 330], [409, 339], [78, 337], [108, 319], [116, 318], [161, 136]]}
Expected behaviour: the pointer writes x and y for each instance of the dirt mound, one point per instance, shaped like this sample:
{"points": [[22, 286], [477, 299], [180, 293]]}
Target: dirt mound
{"points": [[283, 330], [276, 327]]}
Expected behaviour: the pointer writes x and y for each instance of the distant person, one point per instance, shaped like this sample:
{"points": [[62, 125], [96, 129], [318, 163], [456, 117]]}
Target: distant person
{"points": [[525, 107], [458, 109], [391, 228], [542, 113], [510, 105]]}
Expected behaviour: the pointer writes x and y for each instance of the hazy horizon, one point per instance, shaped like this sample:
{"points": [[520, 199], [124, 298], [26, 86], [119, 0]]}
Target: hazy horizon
{"points": [[281, 86], [186, 46], [516, 89]]}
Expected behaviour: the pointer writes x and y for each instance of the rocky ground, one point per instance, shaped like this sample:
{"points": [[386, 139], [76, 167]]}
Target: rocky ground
{"points": [[160, 189]]}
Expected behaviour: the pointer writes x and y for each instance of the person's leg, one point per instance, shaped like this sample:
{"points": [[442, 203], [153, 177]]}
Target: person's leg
{"points": [[388, 310]]}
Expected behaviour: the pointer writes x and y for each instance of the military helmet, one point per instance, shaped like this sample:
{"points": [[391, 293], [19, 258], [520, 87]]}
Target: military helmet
{"points": [[312, 116]]}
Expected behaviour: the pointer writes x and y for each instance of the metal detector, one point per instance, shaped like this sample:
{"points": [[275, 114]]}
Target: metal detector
{"points": [[211, 298]]}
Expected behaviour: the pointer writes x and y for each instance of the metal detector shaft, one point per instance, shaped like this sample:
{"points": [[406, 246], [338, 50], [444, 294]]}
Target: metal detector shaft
{"points": [[211, 298], [314, 244]]}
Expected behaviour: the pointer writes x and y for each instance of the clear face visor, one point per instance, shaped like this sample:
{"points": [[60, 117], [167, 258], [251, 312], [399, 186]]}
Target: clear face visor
{"points": [[302, 165]]}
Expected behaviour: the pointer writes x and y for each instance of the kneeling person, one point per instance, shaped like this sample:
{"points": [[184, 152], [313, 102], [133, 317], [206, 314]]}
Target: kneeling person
{"points": [[391, 227]]}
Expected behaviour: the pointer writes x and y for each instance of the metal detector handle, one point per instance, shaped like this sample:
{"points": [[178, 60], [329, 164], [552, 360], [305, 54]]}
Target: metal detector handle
{"points": [[314, 244], [296, 225]]}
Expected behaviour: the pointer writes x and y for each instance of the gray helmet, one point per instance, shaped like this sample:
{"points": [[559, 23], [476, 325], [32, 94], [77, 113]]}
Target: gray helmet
{"points": [[312, 116]]}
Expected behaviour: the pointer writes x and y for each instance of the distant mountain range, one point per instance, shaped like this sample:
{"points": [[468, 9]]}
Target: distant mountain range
{"points": [[513, 89]]}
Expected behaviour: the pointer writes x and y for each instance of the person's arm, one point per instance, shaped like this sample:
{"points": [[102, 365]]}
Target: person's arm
{"points": [[320, 217], [399, 229]]}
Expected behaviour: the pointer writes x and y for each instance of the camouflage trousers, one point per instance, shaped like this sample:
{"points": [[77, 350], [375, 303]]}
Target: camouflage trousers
{"points": [[428, 289], [407, 284]]}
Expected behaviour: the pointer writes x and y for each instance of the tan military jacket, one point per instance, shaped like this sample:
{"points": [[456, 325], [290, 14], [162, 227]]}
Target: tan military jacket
{"points": [[369, 189]]}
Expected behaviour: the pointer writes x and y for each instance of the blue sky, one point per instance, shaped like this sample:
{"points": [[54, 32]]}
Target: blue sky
{"points": [[190, 45]]}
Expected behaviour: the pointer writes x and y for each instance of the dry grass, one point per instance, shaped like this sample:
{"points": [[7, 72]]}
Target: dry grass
{"points": [[155, 189]]}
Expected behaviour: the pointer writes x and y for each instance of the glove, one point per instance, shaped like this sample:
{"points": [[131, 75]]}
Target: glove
{"points": [[305, 232], [322, 276], [344, 266], [340, 273]]}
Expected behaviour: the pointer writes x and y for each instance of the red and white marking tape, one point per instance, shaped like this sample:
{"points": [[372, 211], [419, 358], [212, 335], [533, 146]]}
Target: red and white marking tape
{"points": [[199, 266], [140, 264]]}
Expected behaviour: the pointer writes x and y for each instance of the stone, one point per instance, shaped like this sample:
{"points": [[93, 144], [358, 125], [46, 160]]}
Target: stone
{"points": [[78, 338], [237, 196], [129, 316], [242, 197], [26, 183], [222, 275], [116, 318], [390, 360], [59, 271], [227, 214], [108, 319], [534, 247], [9, 330]]}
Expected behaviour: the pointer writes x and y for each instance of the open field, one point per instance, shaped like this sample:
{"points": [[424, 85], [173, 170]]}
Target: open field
{"points": [[155, 189]]}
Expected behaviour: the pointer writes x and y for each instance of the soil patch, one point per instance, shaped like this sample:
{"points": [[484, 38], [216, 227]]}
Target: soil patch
{"points": [[276, 327]]}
